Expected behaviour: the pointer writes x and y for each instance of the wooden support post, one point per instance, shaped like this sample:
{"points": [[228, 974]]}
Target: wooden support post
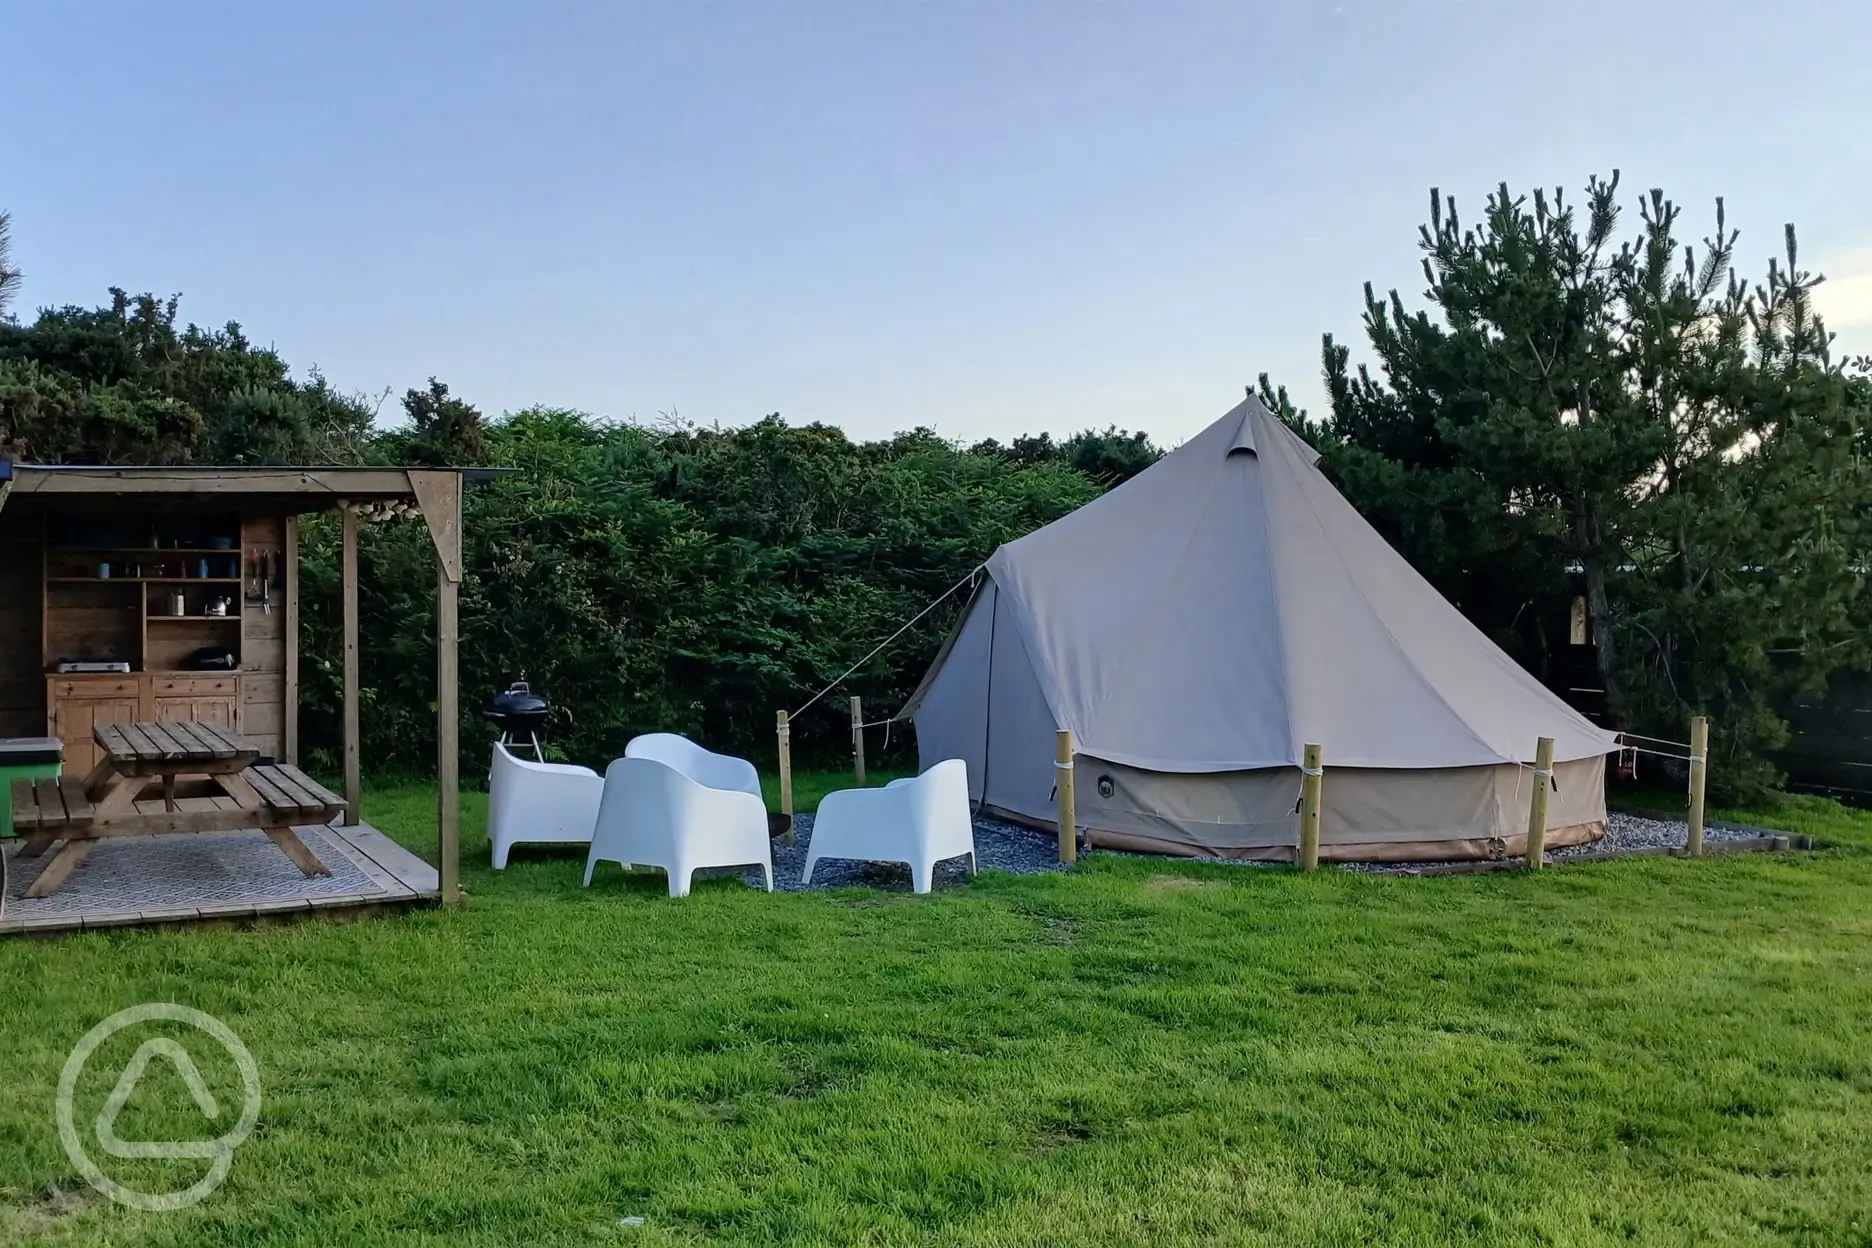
{"points": [[1537, 804], [857, 709], [1699, 773], [349, 577], [785, 733], [289, 625], [1063, 781], [438, 492], [1312, 784], [448, 739]]}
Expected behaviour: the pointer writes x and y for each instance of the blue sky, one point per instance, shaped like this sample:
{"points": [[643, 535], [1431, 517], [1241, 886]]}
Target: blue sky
{"points": [[989, 218]]}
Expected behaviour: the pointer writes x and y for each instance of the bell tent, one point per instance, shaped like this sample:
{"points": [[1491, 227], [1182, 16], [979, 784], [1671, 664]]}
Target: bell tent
{"points": [[1196, 626]]}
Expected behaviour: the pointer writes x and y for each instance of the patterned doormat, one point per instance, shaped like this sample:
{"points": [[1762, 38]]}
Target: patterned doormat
{"points": [[187, 870]]}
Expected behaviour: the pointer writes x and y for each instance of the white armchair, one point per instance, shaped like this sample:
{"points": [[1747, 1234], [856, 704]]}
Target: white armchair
{"points": [[533, 803], [717, 771], [654, 815], [918, 822]]}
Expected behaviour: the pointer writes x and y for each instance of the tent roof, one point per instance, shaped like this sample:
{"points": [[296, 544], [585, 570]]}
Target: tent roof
{"points": [[1228, 605]]}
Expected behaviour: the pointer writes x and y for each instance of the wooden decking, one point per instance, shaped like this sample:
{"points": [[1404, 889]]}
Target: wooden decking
{"points": [[217, 876]]}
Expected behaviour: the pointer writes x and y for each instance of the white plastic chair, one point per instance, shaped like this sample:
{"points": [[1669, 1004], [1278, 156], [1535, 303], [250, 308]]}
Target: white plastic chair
{"points": [[918, 821], [533, 803], [717, 771], [653, 815]]}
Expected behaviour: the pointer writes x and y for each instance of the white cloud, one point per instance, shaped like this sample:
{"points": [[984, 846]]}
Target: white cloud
{"points": [[1845, 298]]}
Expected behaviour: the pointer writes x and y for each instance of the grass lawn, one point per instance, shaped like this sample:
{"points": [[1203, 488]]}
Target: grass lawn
{"points": [[1655, 1051]]}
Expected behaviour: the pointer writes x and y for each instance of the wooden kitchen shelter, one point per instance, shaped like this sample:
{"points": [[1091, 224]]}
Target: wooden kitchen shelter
{"points": [[137, 594]]}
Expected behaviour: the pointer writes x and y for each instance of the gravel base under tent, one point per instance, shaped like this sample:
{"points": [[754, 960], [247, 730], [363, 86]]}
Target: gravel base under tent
{"points": [[1006, 847]]}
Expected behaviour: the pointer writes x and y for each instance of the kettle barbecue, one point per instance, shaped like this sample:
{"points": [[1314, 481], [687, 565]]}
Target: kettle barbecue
{"points": [[519, 713]]}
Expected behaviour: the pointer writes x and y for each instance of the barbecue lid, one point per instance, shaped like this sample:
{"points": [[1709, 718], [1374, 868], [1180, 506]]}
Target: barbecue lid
{"points": [[519, 699]]}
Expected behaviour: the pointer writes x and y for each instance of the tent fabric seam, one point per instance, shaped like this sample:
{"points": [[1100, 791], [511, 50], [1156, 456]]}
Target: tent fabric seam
{"points": [[1397, 643]]}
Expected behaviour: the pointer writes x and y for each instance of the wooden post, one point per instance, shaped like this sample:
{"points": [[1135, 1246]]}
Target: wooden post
{"points": [[349, 577], [1699, 773], [1537, 804], [1063, 780], [857, 710], [785, 733], [289, 625], [439, 494], [448, 738], [1312, 782]]}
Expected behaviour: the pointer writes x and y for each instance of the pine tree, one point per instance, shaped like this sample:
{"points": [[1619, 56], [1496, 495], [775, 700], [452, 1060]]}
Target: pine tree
{"points": [[1632, 414]]}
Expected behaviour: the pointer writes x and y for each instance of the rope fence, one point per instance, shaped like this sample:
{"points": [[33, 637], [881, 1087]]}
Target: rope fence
{"points": [[877, 649]]}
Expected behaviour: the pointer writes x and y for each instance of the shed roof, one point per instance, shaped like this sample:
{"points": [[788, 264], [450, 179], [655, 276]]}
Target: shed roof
{"points": [[294, 489]]}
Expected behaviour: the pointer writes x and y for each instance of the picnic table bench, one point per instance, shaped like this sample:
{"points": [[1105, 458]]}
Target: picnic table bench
{"points": [[236, 791]]}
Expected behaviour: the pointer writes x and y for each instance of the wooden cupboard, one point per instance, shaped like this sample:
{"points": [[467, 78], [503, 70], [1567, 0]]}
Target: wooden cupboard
{"points": [[163, 593]]}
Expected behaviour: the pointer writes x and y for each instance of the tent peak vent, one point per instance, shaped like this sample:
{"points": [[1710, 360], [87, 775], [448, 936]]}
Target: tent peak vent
{"points": [[1243, 442]]}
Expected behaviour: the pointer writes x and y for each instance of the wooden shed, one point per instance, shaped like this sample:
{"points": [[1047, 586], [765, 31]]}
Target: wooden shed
{"points": [[171, 594]]}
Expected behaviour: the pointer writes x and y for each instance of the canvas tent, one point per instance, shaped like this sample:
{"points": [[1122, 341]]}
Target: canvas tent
{"points": [[1196, 626]]}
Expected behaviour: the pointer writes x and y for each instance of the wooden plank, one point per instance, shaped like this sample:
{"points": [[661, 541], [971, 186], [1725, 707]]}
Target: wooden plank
{"points": [[117, 797], [310, 785], [184, 731], [176, 744], [49, 804], [290, 626], [239, 791], [62, 865], [268, 789], [111, 739], [132, 823], [239, 745], [98, 777], [136, 745], [297, 850], [25, 805], [184, 767], [63, 803], [406, 868], [315, 486], [298, 797], [349, 579], [222, 739], [175, 733], [153, 744]]}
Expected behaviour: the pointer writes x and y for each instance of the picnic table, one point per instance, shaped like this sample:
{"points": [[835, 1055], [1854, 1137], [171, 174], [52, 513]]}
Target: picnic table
{"points": [[205, 779]]}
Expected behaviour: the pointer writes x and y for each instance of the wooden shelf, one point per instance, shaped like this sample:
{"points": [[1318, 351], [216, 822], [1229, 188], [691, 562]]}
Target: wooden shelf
{"points": [[143, 550], [196, 619], [144, 580]]}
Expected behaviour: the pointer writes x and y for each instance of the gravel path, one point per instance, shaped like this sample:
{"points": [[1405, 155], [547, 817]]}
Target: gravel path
{"points": [[1623, 833], [1021, 851], [998, 847]]}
